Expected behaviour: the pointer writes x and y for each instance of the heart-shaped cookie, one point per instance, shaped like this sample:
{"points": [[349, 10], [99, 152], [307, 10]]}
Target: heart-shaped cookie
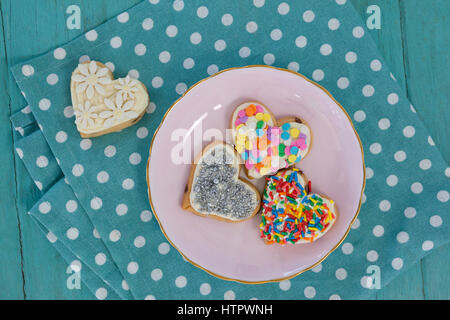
{"points": [[290, 213], [214, 188], [102, 104], [265, 144]]}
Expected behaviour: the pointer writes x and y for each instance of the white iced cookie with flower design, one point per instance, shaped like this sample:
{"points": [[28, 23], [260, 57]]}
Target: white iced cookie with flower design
{"points": [[102, 104]]}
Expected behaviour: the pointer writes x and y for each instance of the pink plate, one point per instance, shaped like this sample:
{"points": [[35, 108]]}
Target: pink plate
{"points": [[234, 251]]}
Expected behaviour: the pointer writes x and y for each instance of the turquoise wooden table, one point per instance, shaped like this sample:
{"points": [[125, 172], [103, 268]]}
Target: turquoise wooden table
{"points": [[414, 39]]}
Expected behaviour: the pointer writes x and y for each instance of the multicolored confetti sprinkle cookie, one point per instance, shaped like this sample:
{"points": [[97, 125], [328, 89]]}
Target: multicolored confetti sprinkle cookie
{"points": [[290, 213], [265, 144], [214, 188]]}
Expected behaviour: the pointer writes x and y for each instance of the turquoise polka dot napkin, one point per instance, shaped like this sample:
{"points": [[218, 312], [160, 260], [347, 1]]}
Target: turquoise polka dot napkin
{"points": [[99, 211]]}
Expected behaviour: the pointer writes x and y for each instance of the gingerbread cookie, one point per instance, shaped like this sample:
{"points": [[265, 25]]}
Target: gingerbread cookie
{"points": [[290, 213], [102, 104], [214, 188], [265, 144]]}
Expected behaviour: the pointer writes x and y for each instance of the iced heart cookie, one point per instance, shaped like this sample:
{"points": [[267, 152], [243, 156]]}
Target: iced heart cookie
{"points": [[214, 188], [265, 144], [103, 105], [290, 213]]}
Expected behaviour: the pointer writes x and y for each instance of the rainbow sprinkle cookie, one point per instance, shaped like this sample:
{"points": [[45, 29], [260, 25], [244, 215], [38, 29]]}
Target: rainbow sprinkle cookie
{"points": [[265, 144], [290, 214]]}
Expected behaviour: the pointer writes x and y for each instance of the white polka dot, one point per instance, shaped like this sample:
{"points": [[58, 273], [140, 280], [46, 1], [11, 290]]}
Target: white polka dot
{"points": [[164, 56], [156, 274], [146, 216], [375, 65], [285, 285], [301, 41], [317, 268], [181, 88], [283, 8], [202, 12], [400, 156], [335, 297], [142, 132], [123, 17], [343, 83], [84, 58], [351, 57], [101, 294], [366, 282], [154, 1], [251, 27], [416, 187], [85, 144], [75, 265], [229, 295], [171, 31], [384, 205], [427, 245], [68, 112], [402, 237], [341, 2], [95, 234], [347, 248], [359, 116], [45, 207], [358, 32], [19, 152], [443, 196], [258, 3], [139, 242], [181, 281], [212, 69], [357, 223], [72, 233], [100, 259], [42, 161], [436, 221], [121, 209], [392, 98], [326, 49], [363, 198], [125, 285], [188, 63], [59, 53], [447, 172], [61, 137], [178, 5], [430, 141], [133, 267], [425, 164], [375, 148], [196, 38], [368, 90], [205, 289], [220, 45], [308, 16], [27, 70], [114, 235], [164, 248], [151, 107], [96, 203], [91, 35], [397, 263], [276, 34], [309, 292], [318, 75], [227, 19], [378, 231], [157, 82], [44, 104], [51, 237], [116, 42], [133, 74], [244, 52], [77, 170], [150, 297], [135, 158], [269, 59], [372, 256], [128, 184], [333, 24], [392, 180], [71, 206], [341, 274], [147, 24], [294, 66], [369, 173], [140, 49], [39, 185], [410, 212], [384, 123]]}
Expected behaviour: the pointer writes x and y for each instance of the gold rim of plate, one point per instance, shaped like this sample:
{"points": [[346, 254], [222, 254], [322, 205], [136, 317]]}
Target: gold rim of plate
{"points": [[328, 253]]}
